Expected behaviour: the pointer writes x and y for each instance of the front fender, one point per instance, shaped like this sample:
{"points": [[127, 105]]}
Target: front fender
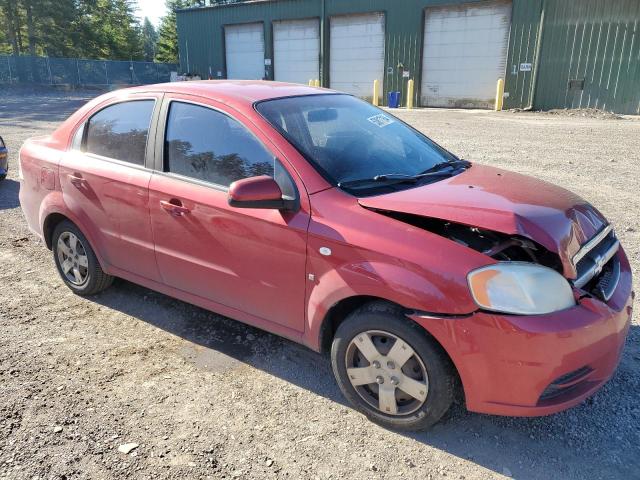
{"points": [[396, 283]]}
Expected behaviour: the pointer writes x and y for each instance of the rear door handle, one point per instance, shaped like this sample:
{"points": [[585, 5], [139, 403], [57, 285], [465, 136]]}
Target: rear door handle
{"points": [[75, 180], [174, 207]]}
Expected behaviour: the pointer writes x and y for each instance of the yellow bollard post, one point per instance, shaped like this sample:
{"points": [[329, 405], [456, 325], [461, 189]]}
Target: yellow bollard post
{"points": [[410, 94], [376, 93], [316, 83], [499, 95], [311, 82]]}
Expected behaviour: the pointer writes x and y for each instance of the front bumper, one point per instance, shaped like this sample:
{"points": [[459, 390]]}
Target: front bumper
{"points": [[537, 365]]}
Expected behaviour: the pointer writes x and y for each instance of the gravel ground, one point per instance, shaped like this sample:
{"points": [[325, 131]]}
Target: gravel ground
{"points": [[205, 397]]}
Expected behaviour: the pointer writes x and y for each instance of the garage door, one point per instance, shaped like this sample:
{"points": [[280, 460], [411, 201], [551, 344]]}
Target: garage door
{"points": [[244, 47], [464, 54], [296, 47], [356, 53]]}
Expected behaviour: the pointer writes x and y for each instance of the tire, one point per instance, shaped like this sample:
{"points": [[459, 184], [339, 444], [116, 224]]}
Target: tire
{"points": [[427, 372], [3, 176], [77, 255]]}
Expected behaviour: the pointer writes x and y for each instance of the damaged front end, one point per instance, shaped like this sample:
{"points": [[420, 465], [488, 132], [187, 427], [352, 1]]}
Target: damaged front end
{"points": [[597, 264], [499, 246]]}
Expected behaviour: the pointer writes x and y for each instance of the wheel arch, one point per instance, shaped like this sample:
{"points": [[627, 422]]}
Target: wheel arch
{"points": [[340, 310], [50, 223], [53, 218], [337, 313]]}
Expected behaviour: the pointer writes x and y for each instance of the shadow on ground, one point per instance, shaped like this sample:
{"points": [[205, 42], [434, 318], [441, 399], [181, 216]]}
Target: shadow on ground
{"points": [[520, 447], [17, 111], [9, 190]]}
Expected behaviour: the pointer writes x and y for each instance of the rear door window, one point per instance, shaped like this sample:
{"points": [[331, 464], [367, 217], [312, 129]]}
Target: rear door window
{"points": [[120, 131], [208, 145]]}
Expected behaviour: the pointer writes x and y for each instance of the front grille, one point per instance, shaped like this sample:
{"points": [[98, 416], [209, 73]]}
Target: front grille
{"points": [[566, 383], [598, 266]]}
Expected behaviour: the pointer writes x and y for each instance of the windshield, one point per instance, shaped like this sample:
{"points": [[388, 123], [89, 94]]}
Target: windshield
{"points": [[353, 144]]}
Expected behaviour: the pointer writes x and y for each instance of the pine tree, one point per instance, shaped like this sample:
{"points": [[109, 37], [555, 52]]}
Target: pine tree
{"points": [[100, 29], [149, 40], [167, 48]]}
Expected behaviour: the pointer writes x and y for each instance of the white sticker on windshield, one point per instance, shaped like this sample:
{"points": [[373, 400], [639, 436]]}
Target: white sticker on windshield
{"points": [[380, 120]]}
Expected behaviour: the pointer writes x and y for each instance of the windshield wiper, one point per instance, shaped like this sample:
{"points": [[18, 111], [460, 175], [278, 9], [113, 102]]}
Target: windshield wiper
{"points": [[393, 178], [442, 169], [448, 164]]}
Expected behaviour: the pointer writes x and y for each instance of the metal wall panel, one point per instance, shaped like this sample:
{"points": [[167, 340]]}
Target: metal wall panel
{"points": [[523, 40], [588, 56], [596, 39], [201, 34]]}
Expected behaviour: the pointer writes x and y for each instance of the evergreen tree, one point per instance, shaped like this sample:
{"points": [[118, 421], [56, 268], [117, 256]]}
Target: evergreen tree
{"points": [[149, 40], [167, 48], [100, 29]]}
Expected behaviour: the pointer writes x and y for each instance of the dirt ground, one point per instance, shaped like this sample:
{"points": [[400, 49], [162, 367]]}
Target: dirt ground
{"points": [[206, 397]]}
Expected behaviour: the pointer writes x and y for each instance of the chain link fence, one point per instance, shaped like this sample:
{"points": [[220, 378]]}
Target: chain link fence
{"points": [[25, 70]]}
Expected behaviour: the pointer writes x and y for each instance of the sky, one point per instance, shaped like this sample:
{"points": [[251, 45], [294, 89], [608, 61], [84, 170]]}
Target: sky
{"points": [[154, 9]]}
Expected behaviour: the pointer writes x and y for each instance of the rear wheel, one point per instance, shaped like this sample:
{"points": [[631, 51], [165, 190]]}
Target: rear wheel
{"points": [[391, 370], [76, 262], [3, 176]]}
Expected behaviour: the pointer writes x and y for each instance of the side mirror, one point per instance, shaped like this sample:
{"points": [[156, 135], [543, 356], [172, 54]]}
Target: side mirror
{"points": [[258, 192]]}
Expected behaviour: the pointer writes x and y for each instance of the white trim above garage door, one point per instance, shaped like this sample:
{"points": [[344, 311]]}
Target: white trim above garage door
{"points": [[244, 51], [296, 50], [464, 54], [356, 53]]}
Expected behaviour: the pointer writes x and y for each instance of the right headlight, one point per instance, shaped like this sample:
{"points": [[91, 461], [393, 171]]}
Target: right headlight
{"points": [[520, 288]]}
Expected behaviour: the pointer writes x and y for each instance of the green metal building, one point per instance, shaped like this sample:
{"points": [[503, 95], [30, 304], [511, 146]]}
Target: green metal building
{"points": [[550, 53]]}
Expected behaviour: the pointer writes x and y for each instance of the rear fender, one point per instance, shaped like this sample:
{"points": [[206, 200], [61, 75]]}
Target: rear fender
{"points": [[54, 203]]}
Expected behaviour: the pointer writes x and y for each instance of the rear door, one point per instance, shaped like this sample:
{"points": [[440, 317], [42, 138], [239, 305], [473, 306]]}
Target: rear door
{"points": [[105, 179], [250, 260]]}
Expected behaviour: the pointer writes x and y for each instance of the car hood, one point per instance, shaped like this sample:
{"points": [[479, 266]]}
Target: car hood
{"points": [[503, 201]]}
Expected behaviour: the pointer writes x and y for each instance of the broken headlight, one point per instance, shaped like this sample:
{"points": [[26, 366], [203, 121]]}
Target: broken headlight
{"points": [[520, 288]]}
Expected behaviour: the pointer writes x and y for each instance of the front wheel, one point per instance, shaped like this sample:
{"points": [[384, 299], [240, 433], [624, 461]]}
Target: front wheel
{"points": [[390, 370], [76, 262]]}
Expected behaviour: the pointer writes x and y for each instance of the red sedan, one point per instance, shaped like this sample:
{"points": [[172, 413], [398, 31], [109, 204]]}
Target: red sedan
{"points": [[321, 218]]}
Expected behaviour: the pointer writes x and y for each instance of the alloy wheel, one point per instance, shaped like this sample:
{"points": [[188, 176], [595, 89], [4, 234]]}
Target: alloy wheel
{"points": [[386, 372], [73, 259]]}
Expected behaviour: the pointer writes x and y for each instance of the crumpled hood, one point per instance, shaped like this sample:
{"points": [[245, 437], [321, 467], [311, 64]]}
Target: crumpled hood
{"points": [[503, 201]]}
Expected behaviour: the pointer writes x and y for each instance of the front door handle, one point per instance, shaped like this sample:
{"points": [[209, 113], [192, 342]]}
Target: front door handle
{"points": [[174, 207]]}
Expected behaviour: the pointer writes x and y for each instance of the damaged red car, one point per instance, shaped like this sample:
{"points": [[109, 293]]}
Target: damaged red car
{"points": [[316, 216]]}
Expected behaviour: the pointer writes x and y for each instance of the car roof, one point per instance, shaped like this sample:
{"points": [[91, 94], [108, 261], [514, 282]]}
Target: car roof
{"points": [[245, 92]]}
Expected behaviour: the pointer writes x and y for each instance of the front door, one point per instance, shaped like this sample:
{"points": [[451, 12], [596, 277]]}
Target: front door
{"points": [[251, 260]]}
